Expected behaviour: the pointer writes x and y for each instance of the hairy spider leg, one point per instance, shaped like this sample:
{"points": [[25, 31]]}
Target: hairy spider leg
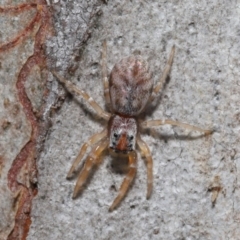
{"points": [[132, 157], [105, 73], [72, 88], [91, 141], [90, 162], [154, 123], [147, 154], [166, 71]]}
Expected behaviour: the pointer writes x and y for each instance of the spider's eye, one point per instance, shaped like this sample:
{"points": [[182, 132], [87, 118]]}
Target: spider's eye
{"points": [[131, 137]]}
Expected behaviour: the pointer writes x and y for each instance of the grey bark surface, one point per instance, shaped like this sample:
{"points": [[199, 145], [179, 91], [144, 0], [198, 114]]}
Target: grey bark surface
{"points": [[188, 173]]}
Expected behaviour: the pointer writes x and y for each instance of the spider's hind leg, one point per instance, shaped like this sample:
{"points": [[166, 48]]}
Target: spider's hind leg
{"points": [[73, 89], [105, 73], [166, 72]]}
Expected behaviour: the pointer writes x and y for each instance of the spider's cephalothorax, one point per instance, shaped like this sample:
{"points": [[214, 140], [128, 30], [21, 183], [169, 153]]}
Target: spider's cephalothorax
{"points": [[129, 89], [122, 132]]}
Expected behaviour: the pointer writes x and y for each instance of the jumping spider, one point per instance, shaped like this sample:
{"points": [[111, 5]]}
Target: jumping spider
{"points": [[128, 91]]}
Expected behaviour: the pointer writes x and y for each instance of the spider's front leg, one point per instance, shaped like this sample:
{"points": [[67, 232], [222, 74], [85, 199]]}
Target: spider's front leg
{"points": [[127, 181], [155, 123], [90, 162], [147, 154], [91, 141]]}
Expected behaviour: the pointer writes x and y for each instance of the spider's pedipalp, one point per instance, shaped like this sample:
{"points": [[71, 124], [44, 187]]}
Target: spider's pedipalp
{"points": [[146, 152], [127, 181], [155, 123], [72, 88], [90, 162], [166, 71], [92, 140]]}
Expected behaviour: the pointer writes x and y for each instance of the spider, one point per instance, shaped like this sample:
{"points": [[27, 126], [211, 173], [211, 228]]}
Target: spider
{"points": [[128, 90]]}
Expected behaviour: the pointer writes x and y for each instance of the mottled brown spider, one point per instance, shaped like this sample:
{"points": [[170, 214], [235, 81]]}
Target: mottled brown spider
{"points": [[127, 91]]}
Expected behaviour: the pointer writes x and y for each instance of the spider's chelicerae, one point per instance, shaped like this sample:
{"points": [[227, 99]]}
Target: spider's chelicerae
{"points": [[128, 90]]}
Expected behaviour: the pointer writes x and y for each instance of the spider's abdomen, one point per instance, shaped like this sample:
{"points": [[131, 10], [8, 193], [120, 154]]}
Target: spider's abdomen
{"points": [[130, 86]]}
